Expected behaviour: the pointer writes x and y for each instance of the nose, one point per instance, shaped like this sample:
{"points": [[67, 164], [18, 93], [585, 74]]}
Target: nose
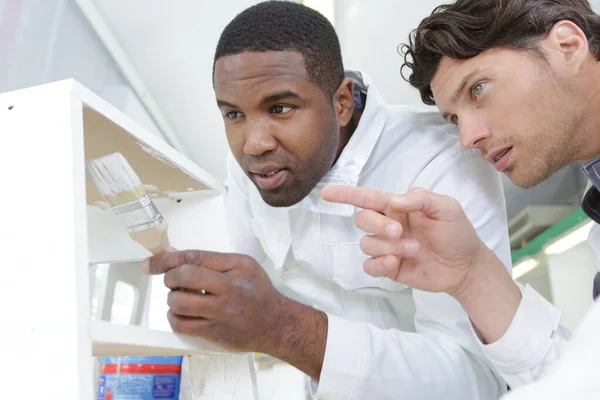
{"points": [[473, 132], [259, 139]]}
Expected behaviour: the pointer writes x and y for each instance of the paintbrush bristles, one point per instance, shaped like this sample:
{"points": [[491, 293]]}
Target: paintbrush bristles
{"points": [[116, 181]]}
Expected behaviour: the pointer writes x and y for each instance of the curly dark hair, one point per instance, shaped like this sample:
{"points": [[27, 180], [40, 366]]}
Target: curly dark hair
{"points": [[287, 26], [466, 28]]}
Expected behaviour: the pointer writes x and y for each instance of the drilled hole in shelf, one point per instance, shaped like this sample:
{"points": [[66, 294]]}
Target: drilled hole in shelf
{"points": [[178, 200], [11, 107]]}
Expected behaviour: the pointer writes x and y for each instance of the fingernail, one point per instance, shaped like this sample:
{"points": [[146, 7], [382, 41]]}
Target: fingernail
{"points": [[411, 248], [145, 266], [393, 230]]}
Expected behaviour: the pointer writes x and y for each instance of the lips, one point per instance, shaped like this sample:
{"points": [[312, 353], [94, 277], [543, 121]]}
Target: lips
{"points": [[269, 174], [271, 181], [265, 169], [500, 158], [269, 177]]}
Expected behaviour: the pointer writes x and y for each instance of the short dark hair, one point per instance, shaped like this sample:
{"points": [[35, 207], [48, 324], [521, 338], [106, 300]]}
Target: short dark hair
{"points": [[466, 28], [287, 26]]}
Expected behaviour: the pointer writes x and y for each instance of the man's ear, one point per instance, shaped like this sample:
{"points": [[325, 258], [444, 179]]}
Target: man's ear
{"points": [[567, 46], [343, 101]]}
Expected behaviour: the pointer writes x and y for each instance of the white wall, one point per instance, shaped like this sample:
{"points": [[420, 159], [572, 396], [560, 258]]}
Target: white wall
{"points": [[44, 41], [370, 33], [571, 276], [539, 279]]}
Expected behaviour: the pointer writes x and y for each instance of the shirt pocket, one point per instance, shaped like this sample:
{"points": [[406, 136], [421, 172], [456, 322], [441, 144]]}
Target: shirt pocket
{"points": [[347, 265]]}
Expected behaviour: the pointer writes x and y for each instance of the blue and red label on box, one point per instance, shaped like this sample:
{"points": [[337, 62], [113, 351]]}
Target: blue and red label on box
{"points": [[139, 378]]}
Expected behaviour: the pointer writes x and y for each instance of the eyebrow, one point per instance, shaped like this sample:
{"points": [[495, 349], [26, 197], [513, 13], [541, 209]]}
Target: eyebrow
{"points": [[222, 103], [463, 84], [288, 94], [460, 89], [279, 96]]}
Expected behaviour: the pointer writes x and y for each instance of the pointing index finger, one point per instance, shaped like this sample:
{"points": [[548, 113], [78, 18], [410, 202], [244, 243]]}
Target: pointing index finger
{"points": [[362, 197]]}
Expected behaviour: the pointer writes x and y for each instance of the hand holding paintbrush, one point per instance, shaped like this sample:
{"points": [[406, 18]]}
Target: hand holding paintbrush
{"points": [[118, 183], [242, 311]]}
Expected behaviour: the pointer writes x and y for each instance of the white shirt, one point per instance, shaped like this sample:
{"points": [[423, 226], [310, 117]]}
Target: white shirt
{"points": [[533, 343], [577, 374], [384, 340]]}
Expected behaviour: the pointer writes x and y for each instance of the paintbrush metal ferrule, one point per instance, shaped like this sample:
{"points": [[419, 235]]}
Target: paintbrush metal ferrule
{"points": [[138, 215]]}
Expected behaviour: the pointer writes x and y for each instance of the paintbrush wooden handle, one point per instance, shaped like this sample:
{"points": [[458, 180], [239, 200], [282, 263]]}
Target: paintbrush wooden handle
{"points": [[156, 240]]}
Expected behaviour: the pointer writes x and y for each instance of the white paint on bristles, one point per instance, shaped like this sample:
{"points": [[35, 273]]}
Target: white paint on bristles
{"points": [[112, 175]]}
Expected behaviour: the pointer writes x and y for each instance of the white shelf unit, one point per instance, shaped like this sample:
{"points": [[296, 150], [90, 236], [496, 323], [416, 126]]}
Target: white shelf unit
{"points": [[54, 226], [127, 340]]}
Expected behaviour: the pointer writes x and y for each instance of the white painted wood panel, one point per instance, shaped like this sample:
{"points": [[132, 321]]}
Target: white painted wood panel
{"points": [[44, 286], [127, 340]]}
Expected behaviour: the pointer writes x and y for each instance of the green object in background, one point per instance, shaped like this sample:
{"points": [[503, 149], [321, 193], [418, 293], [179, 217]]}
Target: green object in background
{"points": [[555, 231]]}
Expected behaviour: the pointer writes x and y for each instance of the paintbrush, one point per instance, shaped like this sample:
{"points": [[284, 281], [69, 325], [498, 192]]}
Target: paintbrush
{"points": [[118, 183]]}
